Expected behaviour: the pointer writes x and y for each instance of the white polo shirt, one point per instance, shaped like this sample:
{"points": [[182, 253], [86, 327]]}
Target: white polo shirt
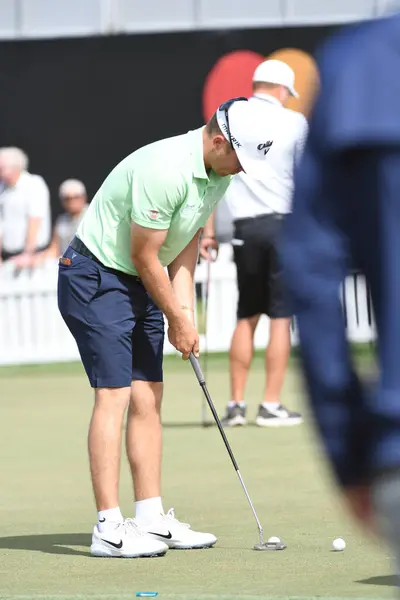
{"points": [[29, 197], [66, 226], [247, 197]]}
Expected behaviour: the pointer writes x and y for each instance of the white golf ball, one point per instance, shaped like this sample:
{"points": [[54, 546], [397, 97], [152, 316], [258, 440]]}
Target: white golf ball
{"points": [[338, 545], [274, 540]]}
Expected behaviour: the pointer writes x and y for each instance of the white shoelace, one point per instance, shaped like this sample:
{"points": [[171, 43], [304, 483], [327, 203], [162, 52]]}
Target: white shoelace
{"points": [[171, 516], [130, 526]]}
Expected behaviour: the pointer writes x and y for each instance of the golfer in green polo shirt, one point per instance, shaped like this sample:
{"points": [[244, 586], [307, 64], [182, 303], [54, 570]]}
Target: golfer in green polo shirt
{"points": [[132, 262]]}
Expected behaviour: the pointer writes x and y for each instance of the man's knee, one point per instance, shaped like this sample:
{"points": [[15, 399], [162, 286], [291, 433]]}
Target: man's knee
{"points": [[146, 398], [112, 400]]}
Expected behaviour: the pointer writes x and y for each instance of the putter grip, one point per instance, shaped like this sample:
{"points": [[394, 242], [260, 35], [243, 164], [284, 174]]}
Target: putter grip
{"points": [[197, 368]]}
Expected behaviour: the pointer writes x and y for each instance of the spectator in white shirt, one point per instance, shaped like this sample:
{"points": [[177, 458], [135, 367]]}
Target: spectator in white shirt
{"points": [[73, 199], [258, 209], [25, 221]]}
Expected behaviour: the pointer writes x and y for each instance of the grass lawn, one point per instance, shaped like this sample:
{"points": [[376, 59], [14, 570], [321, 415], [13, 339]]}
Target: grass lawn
{"points": [[47, 510]]}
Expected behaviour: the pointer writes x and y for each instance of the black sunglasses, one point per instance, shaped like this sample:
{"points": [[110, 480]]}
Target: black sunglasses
{"points": [[225, 107]]}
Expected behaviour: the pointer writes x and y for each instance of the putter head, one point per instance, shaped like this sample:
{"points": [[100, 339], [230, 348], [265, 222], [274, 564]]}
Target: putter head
{"points": [[269, 546]]}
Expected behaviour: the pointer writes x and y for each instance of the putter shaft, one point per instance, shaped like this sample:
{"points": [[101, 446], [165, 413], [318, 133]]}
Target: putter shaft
{"points": [[200, 377]]}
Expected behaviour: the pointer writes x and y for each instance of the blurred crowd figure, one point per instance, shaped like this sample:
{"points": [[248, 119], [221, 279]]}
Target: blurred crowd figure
{"points": [[73, 198], [25, 212], [346, 210]]}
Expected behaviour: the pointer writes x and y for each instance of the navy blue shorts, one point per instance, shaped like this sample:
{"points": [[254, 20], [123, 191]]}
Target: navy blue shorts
{"points": [[117, 327]]}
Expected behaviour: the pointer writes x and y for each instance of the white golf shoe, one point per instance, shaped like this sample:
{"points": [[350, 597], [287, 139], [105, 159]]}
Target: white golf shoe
{"points": [[177, 535], [125, 540]]}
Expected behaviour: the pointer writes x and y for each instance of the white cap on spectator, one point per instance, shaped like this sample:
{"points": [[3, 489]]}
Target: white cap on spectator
{"points": [[14, 157], [72, 187], [277, 72]]}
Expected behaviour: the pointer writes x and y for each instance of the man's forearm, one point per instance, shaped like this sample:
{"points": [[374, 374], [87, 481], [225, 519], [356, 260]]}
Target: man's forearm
{"points": [[181, 273], [209, 227], [182, 281], [31, 236], [156, 282]]}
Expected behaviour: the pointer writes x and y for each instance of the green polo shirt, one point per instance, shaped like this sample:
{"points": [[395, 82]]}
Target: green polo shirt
{"points": [[161, 186]]}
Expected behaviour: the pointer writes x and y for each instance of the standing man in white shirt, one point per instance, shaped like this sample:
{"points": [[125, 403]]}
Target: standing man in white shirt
{"points": [[25, 223], [258, 209]]}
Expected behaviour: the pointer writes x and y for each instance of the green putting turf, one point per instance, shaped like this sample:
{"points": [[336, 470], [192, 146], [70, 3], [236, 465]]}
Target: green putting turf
{"points": [[47, 511]]}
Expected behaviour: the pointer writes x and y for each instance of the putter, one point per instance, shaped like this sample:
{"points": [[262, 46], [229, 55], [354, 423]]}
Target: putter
{"points": [[261, 545], [204, 421]]}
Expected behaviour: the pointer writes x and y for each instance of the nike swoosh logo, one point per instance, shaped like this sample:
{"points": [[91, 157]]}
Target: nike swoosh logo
{"points": [[102, 520], [118, 546], [167, 537]]}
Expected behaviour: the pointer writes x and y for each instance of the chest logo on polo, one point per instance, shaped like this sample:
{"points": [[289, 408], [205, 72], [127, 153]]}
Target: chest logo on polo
{"points": [[188, 209], [265, 147]]}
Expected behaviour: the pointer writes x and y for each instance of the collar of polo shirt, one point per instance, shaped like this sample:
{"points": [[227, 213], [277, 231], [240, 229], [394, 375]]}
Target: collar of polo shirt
{"points": [[197, 153]]}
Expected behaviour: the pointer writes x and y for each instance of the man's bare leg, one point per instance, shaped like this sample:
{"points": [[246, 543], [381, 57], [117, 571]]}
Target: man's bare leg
{"points": [[276, 359], [113, 536], [144, 448], [240, 355], [271, 413], [104, 443]]}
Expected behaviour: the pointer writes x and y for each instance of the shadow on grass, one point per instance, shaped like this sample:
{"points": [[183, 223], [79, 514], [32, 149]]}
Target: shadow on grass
{"points": [[389, 580], [53, 543]]}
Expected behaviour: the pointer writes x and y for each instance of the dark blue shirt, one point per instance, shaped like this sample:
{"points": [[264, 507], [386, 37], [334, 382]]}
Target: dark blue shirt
{"points": [[346, 211]]}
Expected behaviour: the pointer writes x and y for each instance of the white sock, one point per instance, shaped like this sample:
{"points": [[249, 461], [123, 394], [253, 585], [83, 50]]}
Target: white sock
{"points": [[272, 406], [148, 511], [109, 518], [232, 403]]}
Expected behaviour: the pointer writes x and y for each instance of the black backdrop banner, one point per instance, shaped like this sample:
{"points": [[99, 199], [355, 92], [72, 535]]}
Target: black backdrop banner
{"points": [[78, 106]]}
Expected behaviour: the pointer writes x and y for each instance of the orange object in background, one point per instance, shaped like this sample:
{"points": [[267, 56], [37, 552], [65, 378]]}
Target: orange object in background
{"points": [[232, 76], [307, 77]]}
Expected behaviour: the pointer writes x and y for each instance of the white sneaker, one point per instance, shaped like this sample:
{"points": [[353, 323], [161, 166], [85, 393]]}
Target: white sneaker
{"points": [[125, 540], [178, 535], [279, 417]]}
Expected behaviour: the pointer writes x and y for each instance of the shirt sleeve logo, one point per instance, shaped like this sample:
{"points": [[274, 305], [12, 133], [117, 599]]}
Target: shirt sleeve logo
{"points": [[266, 147], [154, 214]]}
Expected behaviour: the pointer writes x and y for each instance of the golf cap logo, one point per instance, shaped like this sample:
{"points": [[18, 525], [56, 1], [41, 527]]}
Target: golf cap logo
{"points": [[265, 147], [236, 142], [154, 214], [230, 137]]}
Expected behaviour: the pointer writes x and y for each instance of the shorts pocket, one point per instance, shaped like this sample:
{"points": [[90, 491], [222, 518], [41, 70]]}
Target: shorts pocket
{"points": [[78, 284]]}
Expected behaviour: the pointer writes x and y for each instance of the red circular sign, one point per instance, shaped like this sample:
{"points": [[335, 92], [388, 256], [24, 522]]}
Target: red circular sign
{"points": [[230, 76]]}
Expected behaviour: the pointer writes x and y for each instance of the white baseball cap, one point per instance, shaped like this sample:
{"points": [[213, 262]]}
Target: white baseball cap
{"points": [[244, 126], [278, 72], [72, 187]]}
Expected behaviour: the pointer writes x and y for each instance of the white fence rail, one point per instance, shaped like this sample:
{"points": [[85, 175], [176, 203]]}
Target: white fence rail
{"points": [[32, 330]]}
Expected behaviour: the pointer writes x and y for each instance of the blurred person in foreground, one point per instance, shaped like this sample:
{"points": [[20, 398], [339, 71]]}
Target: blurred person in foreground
{"points": [[347, 211], [73, 198], [25, 219], [258, 209], [113, 293]]}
